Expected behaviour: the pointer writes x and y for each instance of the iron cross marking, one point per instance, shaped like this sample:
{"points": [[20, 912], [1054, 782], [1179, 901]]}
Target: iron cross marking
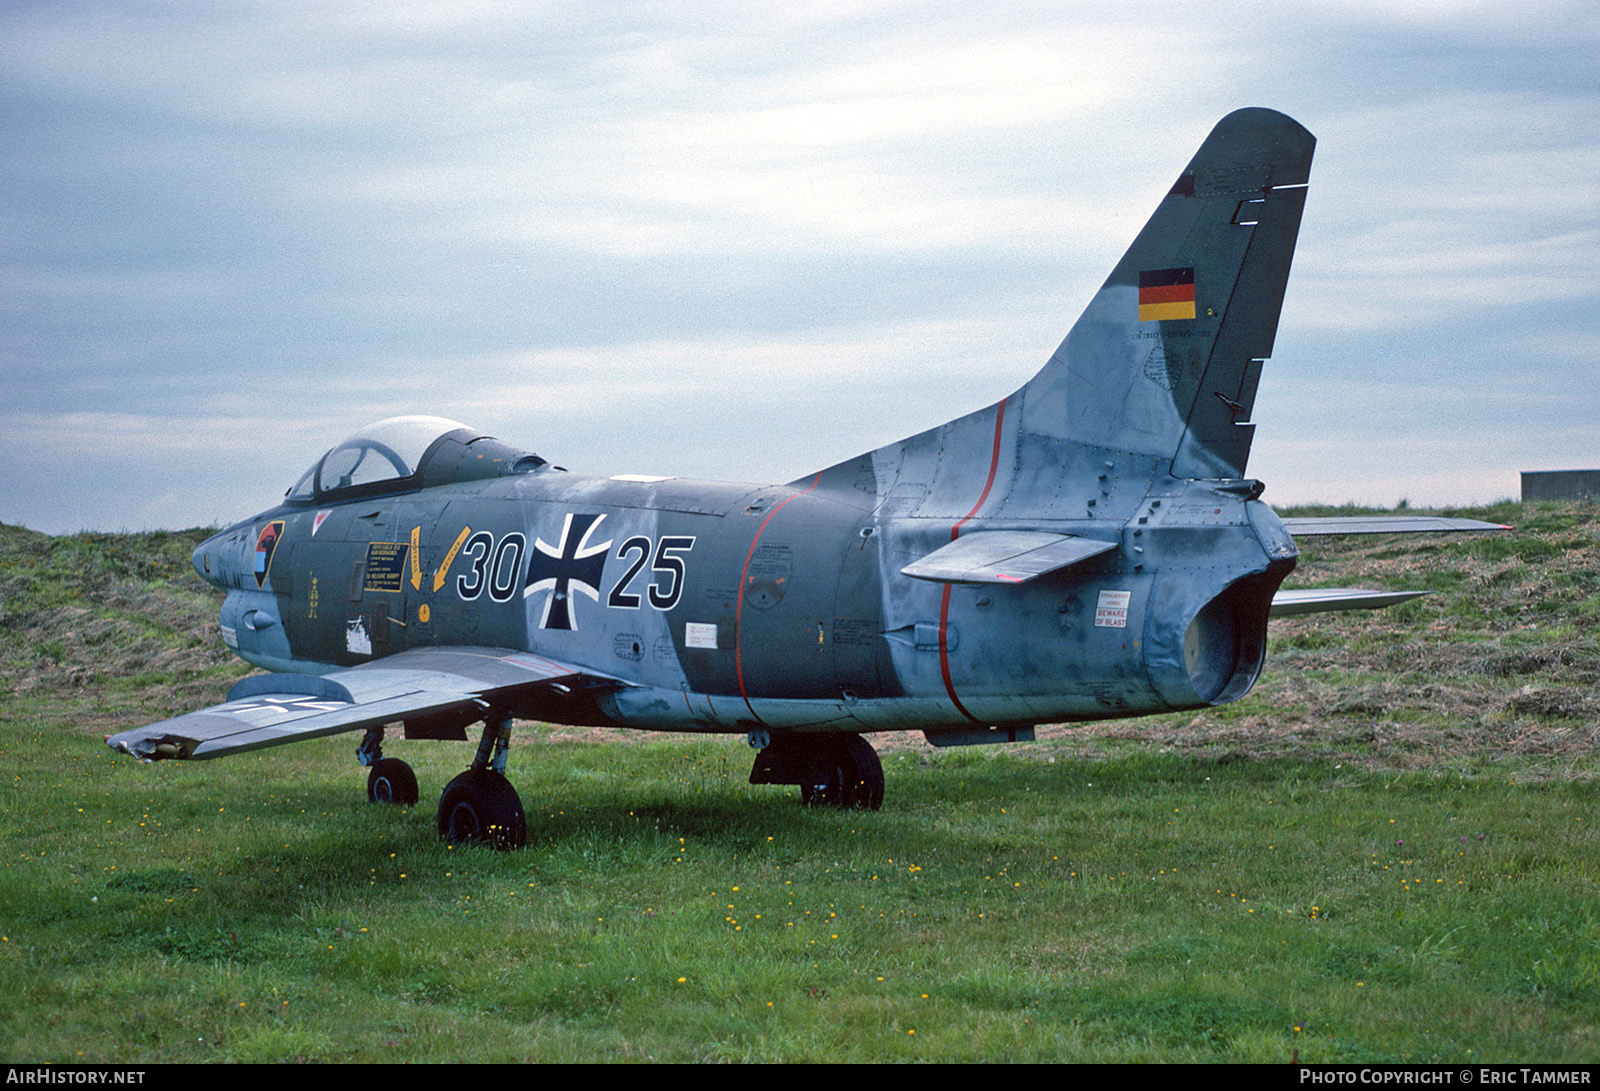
{"points": [[570, 565]]}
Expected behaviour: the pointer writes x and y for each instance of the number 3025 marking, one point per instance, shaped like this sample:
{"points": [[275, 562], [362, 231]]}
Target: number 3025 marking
{"points": [[495, 566], [664, 591]]}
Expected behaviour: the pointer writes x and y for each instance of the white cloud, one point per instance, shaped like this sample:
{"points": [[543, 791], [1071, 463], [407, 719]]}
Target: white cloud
{"points": [[234, 234]]}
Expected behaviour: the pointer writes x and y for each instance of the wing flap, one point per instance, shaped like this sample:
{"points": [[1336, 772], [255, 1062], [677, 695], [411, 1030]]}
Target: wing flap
{"points": [[1004, 556], [269, 710]]}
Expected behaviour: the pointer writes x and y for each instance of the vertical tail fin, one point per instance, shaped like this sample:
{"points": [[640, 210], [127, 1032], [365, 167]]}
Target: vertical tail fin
{"points": [[1165, 360], [1157, 377]]}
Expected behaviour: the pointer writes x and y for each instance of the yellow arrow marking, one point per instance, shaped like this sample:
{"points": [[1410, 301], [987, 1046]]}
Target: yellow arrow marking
{"points": [[449, 558], [416, 558]]}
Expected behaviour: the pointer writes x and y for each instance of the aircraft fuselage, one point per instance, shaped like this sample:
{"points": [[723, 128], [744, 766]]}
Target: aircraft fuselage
{"points": [[724, 607]]}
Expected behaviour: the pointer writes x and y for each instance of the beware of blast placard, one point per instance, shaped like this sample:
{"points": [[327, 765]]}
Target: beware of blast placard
{"points": [[1112, 611]]}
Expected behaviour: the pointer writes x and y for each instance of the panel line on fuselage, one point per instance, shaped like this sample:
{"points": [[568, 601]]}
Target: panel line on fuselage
{"points": [[738, 608]]}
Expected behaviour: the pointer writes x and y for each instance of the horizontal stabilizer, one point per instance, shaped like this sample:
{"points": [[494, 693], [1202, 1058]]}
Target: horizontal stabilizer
{"points": [[268, 710], [1305, 526], [1320, 600], [1005, 556]]}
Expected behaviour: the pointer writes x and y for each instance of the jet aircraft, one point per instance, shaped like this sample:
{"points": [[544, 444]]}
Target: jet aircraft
{"points": [[1086, 548]]}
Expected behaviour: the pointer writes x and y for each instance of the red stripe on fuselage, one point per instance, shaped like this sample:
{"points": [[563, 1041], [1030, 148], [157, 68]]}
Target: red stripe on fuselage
{"points": [[955, 532]]}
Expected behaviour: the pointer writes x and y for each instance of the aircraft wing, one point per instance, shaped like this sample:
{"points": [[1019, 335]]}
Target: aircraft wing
{"points": [[1311, 525], [272, 709], [1317, 600]]}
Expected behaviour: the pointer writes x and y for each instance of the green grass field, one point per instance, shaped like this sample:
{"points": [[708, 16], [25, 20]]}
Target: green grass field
{"points": [[1387, 852]]}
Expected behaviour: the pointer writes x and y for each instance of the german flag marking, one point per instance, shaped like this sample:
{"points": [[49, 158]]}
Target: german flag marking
{"points": [[1166, 294]]}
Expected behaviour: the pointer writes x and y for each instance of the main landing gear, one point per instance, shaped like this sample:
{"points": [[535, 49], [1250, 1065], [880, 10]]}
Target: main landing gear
{"points": [[481, 807], [478, 807], [831, 770]]}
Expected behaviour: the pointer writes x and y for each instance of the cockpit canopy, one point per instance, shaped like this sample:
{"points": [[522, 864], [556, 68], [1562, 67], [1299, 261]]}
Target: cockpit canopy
{"points": [[405, 453]]}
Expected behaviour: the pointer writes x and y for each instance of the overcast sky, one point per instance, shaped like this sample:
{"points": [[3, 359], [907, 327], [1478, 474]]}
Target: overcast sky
{"points": [[718, 240]]}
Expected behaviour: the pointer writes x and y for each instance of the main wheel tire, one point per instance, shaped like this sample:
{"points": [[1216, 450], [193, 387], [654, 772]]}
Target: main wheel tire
{"points": [[866, 774], [392, 781], [845, 773], [825, 784], [481, 807]]}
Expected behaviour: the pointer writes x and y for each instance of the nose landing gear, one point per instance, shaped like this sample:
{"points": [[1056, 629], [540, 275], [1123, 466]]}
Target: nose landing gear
{"points": [[389, 780]]}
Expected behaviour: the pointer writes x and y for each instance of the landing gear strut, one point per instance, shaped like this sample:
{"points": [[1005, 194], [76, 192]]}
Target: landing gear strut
{"points": [[831, 770], [480, 806]]}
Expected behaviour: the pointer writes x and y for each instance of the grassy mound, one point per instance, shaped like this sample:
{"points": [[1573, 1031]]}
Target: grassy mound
{"points": [[1387, 852]]}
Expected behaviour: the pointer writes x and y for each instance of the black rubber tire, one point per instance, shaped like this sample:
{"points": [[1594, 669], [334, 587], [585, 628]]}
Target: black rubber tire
{"points": [[825, 786], [481, 807], [846, 773], [866, 774], [391, 781]]}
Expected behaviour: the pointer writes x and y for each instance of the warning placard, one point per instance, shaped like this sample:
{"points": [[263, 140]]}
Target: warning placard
{"points": [[386, 562], [1112, 610], [697, 634]]}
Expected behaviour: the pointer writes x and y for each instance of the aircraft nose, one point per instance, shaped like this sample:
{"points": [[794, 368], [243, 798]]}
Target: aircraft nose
{"points": [[207, 559]]}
